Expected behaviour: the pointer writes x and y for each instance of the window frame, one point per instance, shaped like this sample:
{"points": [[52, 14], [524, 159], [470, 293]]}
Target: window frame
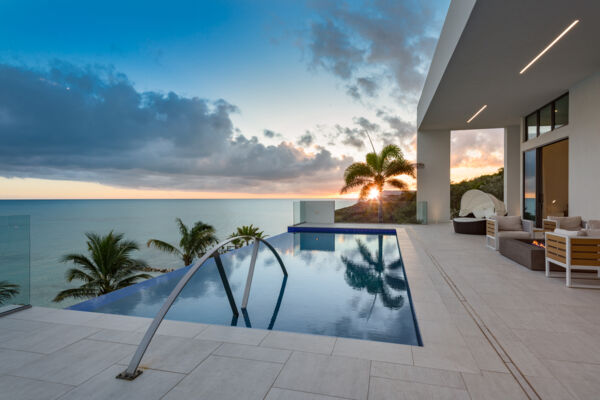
{"points": [[553, 127]]}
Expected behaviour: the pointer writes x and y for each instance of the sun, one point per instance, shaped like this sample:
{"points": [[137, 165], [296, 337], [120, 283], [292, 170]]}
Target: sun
{"points": [[373, 194]]}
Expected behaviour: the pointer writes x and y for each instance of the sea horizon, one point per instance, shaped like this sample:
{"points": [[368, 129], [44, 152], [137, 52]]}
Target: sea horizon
{"points": [[58, 227]]}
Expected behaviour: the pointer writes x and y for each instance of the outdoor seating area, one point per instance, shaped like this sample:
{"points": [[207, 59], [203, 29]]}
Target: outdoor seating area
{"points": [[507, 227]]}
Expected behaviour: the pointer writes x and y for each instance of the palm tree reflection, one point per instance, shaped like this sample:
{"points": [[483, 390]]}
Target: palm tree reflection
{"points": [[377, 277]]}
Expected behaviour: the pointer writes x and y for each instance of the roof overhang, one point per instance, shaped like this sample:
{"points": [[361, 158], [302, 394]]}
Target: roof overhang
{"points": [[484, 45]]}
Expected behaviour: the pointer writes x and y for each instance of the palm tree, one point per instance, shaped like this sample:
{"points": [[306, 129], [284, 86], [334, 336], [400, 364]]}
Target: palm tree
{"points": [[250, 231], [8, 290], [378, 170], [376, 276], [194, 242], [109, 267]]}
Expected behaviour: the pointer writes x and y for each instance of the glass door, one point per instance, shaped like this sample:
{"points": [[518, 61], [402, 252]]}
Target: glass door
{"points": [[546, 182]]}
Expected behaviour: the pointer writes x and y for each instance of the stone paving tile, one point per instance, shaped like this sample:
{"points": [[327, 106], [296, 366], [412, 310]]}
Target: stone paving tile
{"points": [[581, 379], [253, 352], [454, 358], [12, 359], [149, 385], [387, 389], [300, 342], [560, 346], [440, 332], [76, 363], [49, 339], [232, 334], [111, 335], [175, 354], [428, 376], [484, 354], [327, 375], [22, 325], [178, 328], [283, 394], [17, 388], [391, 352], [220, 378], [118, 322], [493, 385], [527, 362], [550, 389]]}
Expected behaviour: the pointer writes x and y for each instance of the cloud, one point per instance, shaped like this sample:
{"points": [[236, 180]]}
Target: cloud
{"points": [[92, 124], [397, 37], [306, 140], [271, 134], [332, 49], [364, 86], [477, 148]]}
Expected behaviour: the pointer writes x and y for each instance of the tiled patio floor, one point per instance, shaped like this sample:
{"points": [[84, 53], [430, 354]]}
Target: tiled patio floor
{"points": [[491, 330]]}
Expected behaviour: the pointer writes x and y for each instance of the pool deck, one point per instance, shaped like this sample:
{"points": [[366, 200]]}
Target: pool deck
{"points": [[491, 330]]}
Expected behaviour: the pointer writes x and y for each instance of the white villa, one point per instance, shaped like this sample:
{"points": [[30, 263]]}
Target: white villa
{"points": [[532, 68]]}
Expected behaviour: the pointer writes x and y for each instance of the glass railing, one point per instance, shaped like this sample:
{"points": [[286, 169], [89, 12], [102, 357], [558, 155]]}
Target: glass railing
{"points": [[14, 263]]}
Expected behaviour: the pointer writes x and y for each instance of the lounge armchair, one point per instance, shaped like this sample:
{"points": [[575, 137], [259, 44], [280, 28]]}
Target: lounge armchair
{"points": [[574, 250], [550, 223], [509, 227]]}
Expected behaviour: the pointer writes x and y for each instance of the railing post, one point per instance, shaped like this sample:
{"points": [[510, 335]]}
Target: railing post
{"points": [[250, 274], [132, 370]]}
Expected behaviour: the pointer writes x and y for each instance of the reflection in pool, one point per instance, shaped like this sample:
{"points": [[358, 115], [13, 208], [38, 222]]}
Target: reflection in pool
{"points": [[347, 285]]}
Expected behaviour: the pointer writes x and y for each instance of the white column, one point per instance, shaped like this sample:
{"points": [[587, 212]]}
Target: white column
{"points": [[433, 173], [512, 169]]}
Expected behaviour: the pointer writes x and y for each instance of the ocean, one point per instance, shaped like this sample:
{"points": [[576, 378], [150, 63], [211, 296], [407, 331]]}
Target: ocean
{"points": [[58, 227]]}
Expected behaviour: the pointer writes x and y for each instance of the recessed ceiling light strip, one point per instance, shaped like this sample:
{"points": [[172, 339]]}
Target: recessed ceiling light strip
{"points": [[476, 114], [550, 45]]}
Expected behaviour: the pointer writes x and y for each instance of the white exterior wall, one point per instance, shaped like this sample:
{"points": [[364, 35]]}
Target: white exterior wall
{"points": [[583, 132], [433, 178], [317, 211], [512, 169]]}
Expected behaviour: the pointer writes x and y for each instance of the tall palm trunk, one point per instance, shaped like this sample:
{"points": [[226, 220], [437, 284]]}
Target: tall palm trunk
{"points": [[380, 210]]}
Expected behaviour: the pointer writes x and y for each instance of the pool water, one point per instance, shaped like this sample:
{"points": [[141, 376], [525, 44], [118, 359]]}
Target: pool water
{"points": [[339, 284]]}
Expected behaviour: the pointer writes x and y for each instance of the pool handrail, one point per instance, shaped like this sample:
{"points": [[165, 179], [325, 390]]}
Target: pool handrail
{"points": [[132, 370]]}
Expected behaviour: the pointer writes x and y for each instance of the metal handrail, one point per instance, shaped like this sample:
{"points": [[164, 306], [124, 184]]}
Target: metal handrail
{"points": [[132, 370]]}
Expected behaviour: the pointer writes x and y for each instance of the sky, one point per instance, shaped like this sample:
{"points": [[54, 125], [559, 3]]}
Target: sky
{"points": [[198, 99]]}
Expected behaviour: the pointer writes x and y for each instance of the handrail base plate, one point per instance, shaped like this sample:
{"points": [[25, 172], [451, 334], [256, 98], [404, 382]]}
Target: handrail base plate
{"points": [[129, 377]]}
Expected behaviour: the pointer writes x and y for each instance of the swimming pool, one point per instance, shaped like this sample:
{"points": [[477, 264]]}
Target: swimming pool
{"points": [[340, 284]]}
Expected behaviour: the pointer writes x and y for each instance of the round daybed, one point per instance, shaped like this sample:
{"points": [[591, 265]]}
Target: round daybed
{"points": [[469, 226], [475, 207]]}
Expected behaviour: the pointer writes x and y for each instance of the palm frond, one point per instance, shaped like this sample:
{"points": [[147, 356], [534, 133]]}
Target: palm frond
{"points": [[76, 293], [163, 246], [364, 192], [373, 162], [399, 167], [397, 183]]}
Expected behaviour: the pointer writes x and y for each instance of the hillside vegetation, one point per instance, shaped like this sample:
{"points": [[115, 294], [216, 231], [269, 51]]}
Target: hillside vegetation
{"points": [[403, 209], [493, 184]]}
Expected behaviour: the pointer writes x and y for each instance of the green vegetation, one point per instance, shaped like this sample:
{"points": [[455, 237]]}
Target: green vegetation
{"points": [[194, 242], [398, 209], [492, 184], [108, 268], [378, 170], [8, 290], [246, 230]]}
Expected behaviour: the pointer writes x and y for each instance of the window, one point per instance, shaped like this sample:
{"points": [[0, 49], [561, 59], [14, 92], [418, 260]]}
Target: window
{"points": [[561, 112], [529, 184], [546, 119], [552, 116], [532, 126]]}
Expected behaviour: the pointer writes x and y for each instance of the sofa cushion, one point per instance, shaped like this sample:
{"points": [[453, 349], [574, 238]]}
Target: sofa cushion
{"points": [[509, 223], [569, 223], [592, 232], [593, 224], [514, 235], [566, 232]]}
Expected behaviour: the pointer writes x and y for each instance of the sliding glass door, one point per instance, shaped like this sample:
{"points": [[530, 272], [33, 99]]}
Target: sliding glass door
{"points": [[546, 182]]}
